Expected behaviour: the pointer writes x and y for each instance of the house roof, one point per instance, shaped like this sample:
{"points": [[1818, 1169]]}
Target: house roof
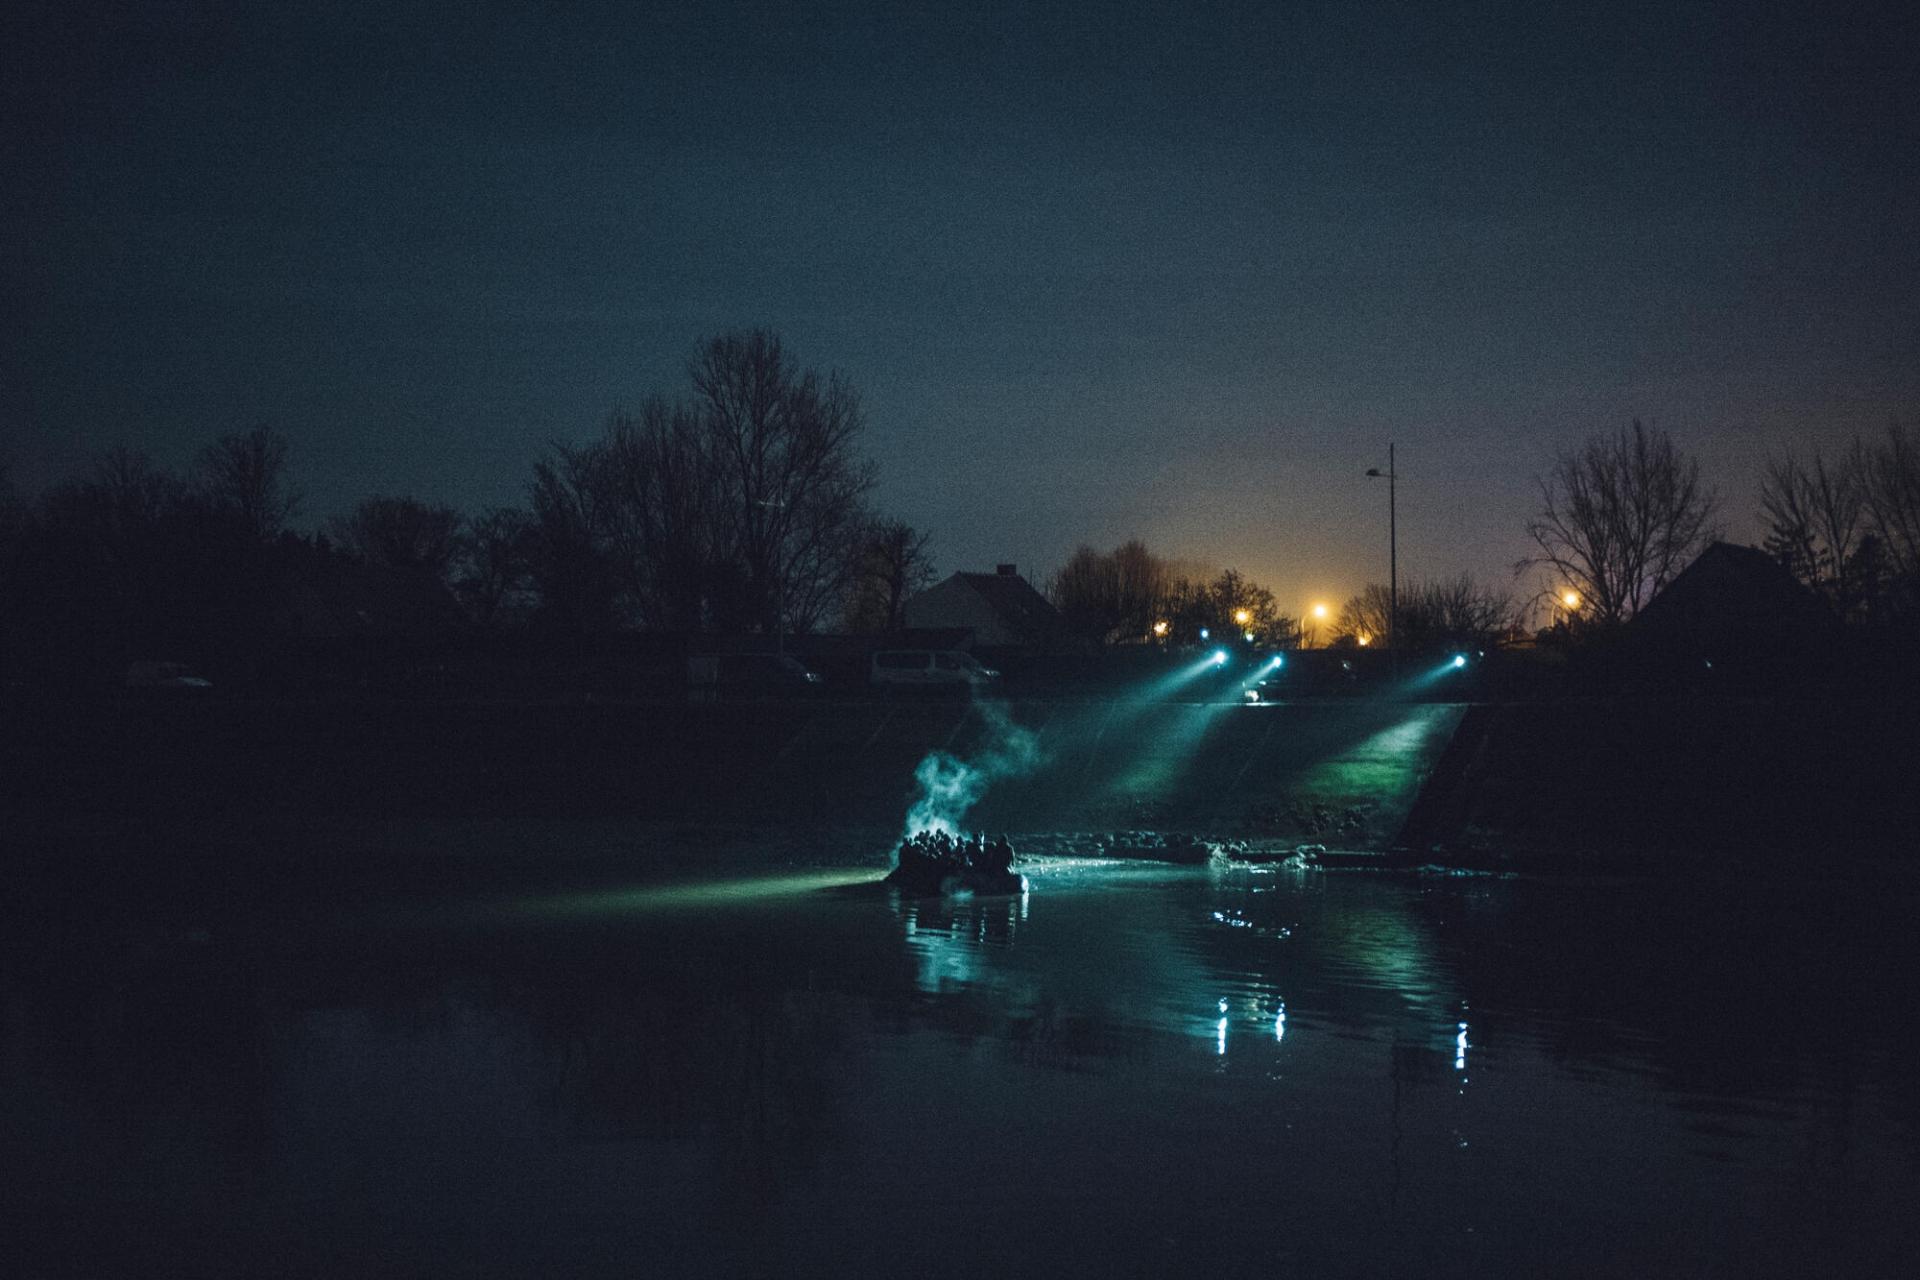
{"points": [[1731, 591], [1025, 611]]}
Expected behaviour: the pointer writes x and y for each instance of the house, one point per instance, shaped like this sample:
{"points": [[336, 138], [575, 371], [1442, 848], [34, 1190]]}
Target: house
{"points": [[1734, 607], [1001, 609]]}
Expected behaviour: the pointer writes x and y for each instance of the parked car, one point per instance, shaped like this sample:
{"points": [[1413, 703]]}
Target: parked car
{"points": [[750, 675], [167, 677], [928, 669]]}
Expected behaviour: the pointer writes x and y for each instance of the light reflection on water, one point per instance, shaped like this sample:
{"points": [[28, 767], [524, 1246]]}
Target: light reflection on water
{"points": [[1130, 1067]]}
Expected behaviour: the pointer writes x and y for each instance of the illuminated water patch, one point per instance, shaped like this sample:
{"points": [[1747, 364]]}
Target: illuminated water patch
{"points": [[758, 890]]}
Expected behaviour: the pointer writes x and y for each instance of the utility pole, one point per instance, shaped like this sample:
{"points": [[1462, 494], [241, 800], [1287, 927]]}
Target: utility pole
{"points": [[1393, 558]]}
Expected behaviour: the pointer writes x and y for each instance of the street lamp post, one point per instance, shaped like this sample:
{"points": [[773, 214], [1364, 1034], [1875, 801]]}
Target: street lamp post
{"points": [[1393, 557]]}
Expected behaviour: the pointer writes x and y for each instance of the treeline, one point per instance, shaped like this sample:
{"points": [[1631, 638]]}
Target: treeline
{"points": [[1620, 517], [1131, 595], [740, 505], [133, 561], [1428, 614], [1847, 525], [1626, 513]]}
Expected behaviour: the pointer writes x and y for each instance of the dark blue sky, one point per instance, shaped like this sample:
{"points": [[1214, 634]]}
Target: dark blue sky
{"points": [[1177, 271]]}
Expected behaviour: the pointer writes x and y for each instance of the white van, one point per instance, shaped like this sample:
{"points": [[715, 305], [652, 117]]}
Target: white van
{"points": [[928, 668]]}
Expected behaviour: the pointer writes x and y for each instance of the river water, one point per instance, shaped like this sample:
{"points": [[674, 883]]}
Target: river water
{"points": [[1131, 1069]]}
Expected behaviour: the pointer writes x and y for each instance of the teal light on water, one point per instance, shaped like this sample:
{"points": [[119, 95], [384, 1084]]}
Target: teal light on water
{"points": [[750, 890]]}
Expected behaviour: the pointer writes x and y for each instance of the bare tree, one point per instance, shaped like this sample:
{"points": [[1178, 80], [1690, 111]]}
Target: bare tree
{"points": [[1235, 605], [1849, 527], [1619, 518], [401, 533], [1815, 516], [1140, 580], [1462, 611], [1084, 590], [495, 569], [666, 495], [785, 443], [1890, 493], [571, 544], [1439, 611], [1112, 595], [893, 565], [245, 474], [740, 507], [1365, 617], [128, 494]]}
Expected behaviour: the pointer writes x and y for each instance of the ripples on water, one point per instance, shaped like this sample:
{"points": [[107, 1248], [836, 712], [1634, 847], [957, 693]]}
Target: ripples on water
{"points": [[1128, 1069]]}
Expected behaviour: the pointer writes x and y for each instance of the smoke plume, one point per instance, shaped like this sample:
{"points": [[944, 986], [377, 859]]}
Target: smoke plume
{"points": [[950, 786]]}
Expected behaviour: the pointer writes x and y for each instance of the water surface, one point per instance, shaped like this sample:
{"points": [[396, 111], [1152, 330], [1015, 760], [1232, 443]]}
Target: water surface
{"points": [[1128, 1070]]}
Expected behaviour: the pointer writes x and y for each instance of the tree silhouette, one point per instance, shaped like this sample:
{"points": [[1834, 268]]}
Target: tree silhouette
{"points": [[571, 540], [1113, 595], [1849, 526], [892, 565], [1890, 491], [792, 483], [1440, 611], [495, 570], [738, 508], [1619, 517], [246, 475], [401, 533]]}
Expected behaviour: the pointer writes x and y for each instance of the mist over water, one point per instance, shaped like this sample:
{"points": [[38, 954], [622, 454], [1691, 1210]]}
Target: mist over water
{"points": [[950, 786]]}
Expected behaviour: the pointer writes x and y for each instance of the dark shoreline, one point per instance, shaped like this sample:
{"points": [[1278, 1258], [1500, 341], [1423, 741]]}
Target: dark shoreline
{"points": [[186, 808]]}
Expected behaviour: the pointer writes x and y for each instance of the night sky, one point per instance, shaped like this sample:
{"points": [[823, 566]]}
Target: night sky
{"points": [[1172, 271]]}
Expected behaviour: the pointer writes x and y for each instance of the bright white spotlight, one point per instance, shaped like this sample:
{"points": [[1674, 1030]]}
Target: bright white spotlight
{"points": [[1205, 632], [1459, 660], [1219, 657]]}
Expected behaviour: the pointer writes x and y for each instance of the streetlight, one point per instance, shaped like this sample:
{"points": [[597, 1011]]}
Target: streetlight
{"points": [[1393, 556], [1319, 616]]}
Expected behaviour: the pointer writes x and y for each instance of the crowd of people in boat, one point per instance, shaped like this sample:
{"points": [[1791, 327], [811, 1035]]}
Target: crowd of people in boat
{"points": [[958, 854]]}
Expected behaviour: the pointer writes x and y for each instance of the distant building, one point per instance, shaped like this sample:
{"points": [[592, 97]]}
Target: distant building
{"points": [[1734, 606], [1001, 609]]}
